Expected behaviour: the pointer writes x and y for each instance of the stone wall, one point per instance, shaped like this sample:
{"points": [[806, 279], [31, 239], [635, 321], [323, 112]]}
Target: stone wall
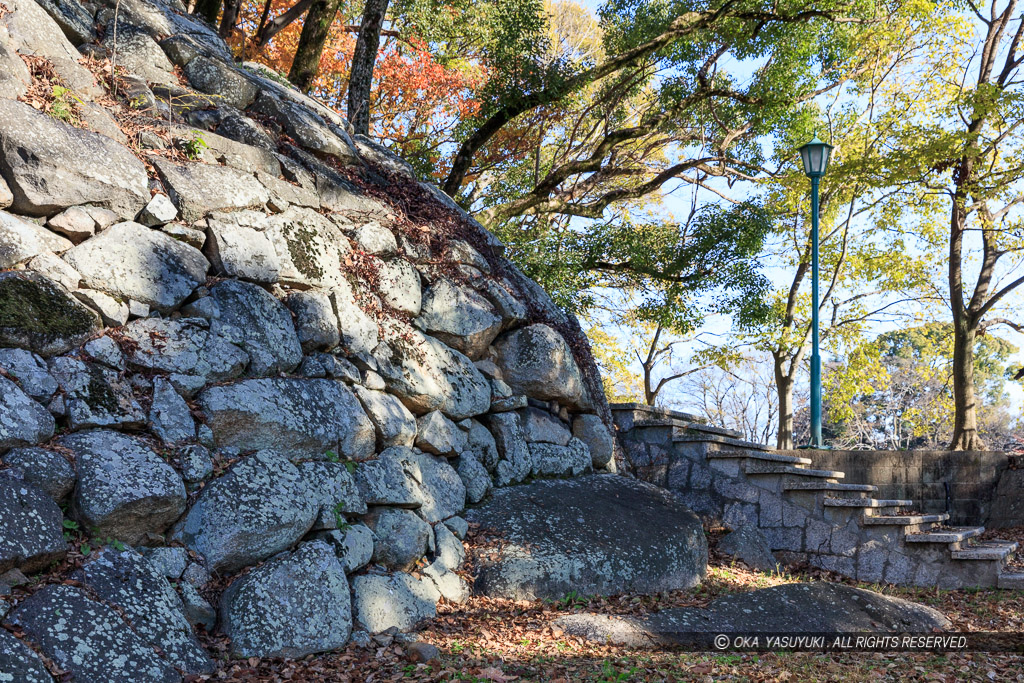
{"points": [[964, 482], [806, 508], [239, 343]]}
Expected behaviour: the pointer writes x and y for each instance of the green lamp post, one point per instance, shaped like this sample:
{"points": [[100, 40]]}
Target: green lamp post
{"points": [[815, 155]]}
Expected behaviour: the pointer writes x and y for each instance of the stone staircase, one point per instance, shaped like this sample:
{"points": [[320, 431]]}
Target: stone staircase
{"points": [[807, 513]]}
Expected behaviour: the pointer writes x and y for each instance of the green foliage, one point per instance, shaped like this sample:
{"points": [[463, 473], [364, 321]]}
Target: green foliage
{"points": [[339, 517], [193, 147], [572, 599], [896, 391], [609, 674], [682, 271], [64, 105], [332, 456]]}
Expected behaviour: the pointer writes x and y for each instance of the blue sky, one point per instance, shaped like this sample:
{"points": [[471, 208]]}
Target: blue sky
{"points": [[677, 202]]}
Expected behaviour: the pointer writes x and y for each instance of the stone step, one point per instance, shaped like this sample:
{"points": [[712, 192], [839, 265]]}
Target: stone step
{"points": [[865, 503], [1011, 581], [755, 467], [708, 429], [952, 535], [652, 410], [693, 436], [828, 486], [655, 422], [683, 427], [986, 550], [904, 520], [760, 455]]}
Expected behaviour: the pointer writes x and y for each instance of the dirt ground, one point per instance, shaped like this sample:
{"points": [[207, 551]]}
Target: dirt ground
{"points": [[498, 640]]}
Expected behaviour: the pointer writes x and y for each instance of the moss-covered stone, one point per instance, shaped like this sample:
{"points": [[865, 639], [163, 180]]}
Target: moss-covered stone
{"points": [[37, 314], [305, 251]]}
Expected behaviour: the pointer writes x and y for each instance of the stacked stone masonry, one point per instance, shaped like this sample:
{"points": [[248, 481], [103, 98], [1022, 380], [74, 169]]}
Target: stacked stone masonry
{"points": [[803, 511], [222, 354]]}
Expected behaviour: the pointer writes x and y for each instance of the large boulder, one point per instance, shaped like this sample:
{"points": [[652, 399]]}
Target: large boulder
{"points": [[461, 318], [304, 125], [31, 531], [399, 601], [591, 430], [46, 469], [334, 492], [31, 31], [96, 396], [170, 417], [30, 371], [480, 442], [516, 461], [303, 418], [292, 606], [315, 320], [21, 240], [242, 252], [790, 608], [595, 535], [474, 477], [37, 314], [260, 507], [401, 537], [217, 78], [310, 249], [125, 490], [74, 20], [148, 603], [538, 362], [395, 425], [50, 166], [183, 347], [14, 81], [398, 284], [438, 435], [540, 426], [160, 19], [19, 663], [197, 189], [383, 481], [132, 261], [23, 422], [139, 53], [427, 375], [88, 639], [353, 545], [253, 319], [554, 460], [357, 329], [437, 487]]}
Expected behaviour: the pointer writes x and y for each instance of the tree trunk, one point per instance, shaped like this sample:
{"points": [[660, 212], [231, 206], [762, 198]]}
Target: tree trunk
{"points": [[363, 60], [650, 392], [318, 22], [207, 9], [230, 17], [784, 389], [965, 416]]}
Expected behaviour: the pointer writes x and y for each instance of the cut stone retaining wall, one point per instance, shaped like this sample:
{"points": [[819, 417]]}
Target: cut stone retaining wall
{"points": [[807, 508], [964, 484]]}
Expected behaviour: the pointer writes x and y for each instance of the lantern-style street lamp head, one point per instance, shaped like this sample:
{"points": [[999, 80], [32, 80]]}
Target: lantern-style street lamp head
{"points": [[815, 155]]}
